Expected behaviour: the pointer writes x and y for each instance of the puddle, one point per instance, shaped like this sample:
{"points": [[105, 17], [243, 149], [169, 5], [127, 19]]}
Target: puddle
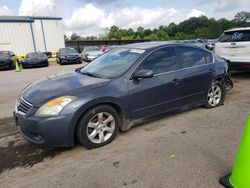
{"points": [[25, 155], [7, 125]]}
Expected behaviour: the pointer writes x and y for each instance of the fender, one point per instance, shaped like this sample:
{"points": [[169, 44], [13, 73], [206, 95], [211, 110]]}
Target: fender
{"points": [[123, 112]]}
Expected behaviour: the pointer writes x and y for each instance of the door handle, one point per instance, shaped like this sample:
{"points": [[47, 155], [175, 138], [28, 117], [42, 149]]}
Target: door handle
{"points": [[233, 43], [211, 71], [175, 81]]}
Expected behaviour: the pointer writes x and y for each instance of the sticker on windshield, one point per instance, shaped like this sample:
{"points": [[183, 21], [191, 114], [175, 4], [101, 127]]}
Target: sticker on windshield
{"points": [[137, 51]]}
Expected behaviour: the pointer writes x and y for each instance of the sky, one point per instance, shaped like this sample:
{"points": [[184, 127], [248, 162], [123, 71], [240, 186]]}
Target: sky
{"points": [[94, 17]]}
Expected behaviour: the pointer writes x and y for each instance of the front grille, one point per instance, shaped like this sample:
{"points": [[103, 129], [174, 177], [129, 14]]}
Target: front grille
{"points": [[23, 106]]}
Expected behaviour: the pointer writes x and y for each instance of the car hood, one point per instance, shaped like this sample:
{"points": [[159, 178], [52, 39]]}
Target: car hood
{"points": [[71, 84]]}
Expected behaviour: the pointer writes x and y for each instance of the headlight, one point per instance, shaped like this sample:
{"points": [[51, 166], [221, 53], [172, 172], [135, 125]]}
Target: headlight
{"points": [[54, 107], [62, 56]]}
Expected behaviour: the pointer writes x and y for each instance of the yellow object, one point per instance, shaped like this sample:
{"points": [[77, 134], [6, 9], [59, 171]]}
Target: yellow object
{"points": [[240, 176], [62, 70], [56, 101], [17, 67], [20, 57]]}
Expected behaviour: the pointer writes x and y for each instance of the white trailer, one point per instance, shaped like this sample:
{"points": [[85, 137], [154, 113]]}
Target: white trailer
{"points": [[31, 34]]}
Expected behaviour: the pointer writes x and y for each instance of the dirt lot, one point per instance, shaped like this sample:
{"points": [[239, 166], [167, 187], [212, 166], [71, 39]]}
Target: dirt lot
{"points": [[188, 149]]}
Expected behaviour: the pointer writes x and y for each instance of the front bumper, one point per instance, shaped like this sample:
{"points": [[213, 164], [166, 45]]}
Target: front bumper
{"points": [[50, 132], [31, 65], [70, 61], [6, 65], [239, 66]]}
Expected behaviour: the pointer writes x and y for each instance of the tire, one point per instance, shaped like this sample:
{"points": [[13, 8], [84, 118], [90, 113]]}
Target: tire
{"points": [[13, 66], [215, 95], [91, 134]]}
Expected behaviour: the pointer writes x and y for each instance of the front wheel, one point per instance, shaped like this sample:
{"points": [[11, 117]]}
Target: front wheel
{"points": [[215, 95], [98, 126]]}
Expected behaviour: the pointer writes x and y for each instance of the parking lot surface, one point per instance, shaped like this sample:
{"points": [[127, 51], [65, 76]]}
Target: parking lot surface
{"points": [[188, 149]]}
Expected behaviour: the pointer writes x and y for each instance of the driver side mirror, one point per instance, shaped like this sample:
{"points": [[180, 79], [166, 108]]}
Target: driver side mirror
{"points": [[143, 73]]}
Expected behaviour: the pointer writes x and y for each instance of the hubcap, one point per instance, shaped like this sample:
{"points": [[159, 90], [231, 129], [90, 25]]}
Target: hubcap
{"points": [[214, 95], [100, 127]]}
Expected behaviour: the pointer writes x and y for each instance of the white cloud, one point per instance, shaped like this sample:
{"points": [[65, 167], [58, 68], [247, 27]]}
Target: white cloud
{"points": [[4, 10], [40, 7], [91, 20], [195, 13]]}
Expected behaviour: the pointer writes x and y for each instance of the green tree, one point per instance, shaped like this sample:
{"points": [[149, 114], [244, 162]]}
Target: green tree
{"points": [[74, 36], [242, 16]]}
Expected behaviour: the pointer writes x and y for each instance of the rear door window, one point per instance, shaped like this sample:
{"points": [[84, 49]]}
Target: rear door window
{"points": [[161, 61], [190, 57], [236, 36]]}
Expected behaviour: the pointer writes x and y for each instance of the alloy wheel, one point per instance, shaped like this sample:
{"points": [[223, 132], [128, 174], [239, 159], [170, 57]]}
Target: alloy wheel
{"points": [[100, 128], [214, 95]]}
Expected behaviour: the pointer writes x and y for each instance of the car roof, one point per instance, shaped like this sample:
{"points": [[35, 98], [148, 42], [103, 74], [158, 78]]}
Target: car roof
{"points": [[238, 29], [153, 45], [148, 45]]}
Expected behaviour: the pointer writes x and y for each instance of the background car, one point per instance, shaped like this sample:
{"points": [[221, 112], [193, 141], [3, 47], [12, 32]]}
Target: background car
{"points": [[89, 53], [193, 42], [7, 60], [129, 83], [35, 59], [234, 47], [68, 56], [104, 48]]}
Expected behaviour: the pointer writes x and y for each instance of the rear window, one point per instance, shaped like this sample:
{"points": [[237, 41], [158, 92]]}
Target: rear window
{"points": [[236, 36], [191, 57], [209, 57]]}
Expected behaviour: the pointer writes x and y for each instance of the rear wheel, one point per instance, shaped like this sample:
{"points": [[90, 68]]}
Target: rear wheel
{"points": [[215, 95], [98, 126]]}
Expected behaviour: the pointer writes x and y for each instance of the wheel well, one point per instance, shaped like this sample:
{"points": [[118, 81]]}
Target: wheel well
{"points": [[115, 106]]}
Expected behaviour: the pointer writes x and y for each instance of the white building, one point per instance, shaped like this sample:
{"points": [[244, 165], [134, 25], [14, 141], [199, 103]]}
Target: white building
{"points": [[31, 34]]}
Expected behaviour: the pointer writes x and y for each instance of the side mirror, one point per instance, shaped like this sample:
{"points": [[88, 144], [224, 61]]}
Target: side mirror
{"points": [[143, 73]]}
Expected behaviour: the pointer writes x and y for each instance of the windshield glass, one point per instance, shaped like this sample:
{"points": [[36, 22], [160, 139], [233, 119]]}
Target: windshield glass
{"points": [[67, 51], [91, 48], [35, 55], [4, 54], [113, 63], [236, 36]]}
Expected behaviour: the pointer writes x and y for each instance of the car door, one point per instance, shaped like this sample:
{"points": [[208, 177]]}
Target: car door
{"points": [[160, 93], [196, 74]]}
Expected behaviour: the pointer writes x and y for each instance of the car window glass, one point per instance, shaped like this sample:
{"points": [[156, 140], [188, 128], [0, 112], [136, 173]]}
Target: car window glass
{"points": [[208, 56], [11, 53], [190, 57], [160, 61], [236, 36], [113, 63], [4, 54]]}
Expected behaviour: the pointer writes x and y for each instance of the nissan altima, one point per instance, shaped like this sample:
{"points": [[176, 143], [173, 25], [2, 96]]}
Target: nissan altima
{"points": [[128, 84]]}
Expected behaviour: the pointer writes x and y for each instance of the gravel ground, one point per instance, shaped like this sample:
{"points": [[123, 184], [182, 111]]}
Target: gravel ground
{"points": [[189, 149]]}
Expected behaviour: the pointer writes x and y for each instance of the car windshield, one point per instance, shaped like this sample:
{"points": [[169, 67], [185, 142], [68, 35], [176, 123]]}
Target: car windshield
{"points": [[67, 51], [113, 63], [35, 55], [235, 36], [91, 48], [4, 54]]}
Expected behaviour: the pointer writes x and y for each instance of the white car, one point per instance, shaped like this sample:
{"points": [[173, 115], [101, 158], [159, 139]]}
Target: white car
{"points": [[234, 47], [90, 53]]}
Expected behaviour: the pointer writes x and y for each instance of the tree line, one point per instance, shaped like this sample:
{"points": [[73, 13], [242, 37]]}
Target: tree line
{"points": [[192, 28]]}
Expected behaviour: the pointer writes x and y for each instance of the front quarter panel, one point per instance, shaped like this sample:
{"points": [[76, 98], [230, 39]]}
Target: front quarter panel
{"points": [[114, 93]]}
